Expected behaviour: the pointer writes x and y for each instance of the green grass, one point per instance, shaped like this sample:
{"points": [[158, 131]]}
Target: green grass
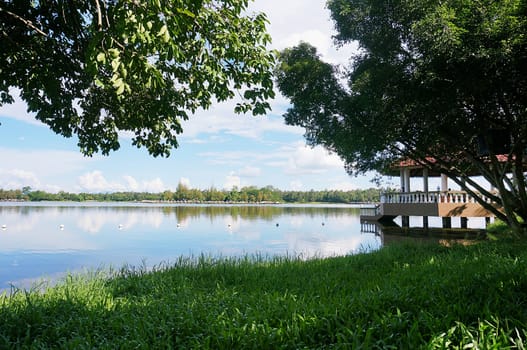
{"points": [[500, 230], [402, 297]]}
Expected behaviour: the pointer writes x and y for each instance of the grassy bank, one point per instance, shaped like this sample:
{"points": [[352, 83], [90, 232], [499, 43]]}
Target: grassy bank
{"points": [[403, 296]]}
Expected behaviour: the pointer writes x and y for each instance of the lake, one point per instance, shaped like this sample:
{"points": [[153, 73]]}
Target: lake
{"points": [[46, 240]]}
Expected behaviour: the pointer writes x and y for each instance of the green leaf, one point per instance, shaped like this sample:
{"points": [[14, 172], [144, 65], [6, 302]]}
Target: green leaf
{"points": [[118, 83], [101, 57], [114, 53], [166, 37], [163, 30], [120, 89], [185, 12], [115, 65]]}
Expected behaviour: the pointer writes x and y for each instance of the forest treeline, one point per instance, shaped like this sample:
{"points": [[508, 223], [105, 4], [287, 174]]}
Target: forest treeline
{"points": [[250, 194]]}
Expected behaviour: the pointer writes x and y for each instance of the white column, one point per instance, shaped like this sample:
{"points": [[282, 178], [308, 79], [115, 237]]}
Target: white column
{"points": [[444, 182], [402, 172], [425, 180], [407, 180]]}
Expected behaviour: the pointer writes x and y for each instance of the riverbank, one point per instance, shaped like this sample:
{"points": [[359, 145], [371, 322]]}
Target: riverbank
{"points": [[403, 296]]}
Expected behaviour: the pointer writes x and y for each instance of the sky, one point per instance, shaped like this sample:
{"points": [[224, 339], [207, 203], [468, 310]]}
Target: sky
{"points": [[217, 148]]}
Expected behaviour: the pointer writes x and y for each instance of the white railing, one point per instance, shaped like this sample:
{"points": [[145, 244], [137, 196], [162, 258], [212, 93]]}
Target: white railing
{"points": [[370, 211], [429, 197]]}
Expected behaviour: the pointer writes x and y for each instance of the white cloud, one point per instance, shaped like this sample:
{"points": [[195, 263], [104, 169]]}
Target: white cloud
{"points": [[294, 159], [220, 118], [17, 178], [131, 183], [52, 188], [315, 37], [96, 182], [343, 186], [185, 182], [18, 109], [250, 171], [232, 158], [154, 186], [232, 181], [306, 160], [296, 185], [44, 162], [303, 20]]}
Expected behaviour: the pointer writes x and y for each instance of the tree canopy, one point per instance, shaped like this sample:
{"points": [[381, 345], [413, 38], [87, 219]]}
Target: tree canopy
{"points": [[96, 68], [183, 193], [443, 83]]}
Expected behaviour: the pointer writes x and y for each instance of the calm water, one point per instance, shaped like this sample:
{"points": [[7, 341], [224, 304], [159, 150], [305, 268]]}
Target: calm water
{"points": [[46, 240]]}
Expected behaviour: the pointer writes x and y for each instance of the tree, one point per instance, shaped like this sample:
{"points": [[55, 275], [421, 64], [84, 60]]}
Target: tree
{"points": [[96, 68], [182, 192], [443, 83]]}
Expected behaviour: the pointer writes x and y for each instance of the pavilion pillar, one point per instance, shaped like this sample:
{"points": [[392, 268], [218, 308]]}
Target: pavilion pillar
{"points": [[447, 222], [425, 190], [425, 181], [407, 180], [464, 222], [444, 183]]}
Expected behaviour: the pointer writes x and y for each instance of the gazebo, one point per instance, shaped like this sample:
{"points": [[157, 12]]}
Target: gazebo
{"points": [[442, 202]]}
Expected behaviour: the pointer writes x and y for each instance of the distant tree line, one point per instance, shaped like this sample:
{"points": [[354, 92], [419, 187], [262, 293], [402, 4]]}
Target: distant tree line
{"points": [[250, 194]]}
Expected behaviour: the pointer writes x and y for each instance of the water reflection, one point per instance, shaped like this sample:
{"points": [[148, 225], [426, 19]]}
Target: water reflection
{"points": [[394, 233], [48, 239]]}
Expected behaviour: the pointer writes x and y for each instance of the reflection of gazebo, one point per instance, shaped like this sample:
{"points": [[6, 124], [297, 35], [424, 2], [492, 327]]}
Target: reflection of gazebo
{"points": [[443, 202]]}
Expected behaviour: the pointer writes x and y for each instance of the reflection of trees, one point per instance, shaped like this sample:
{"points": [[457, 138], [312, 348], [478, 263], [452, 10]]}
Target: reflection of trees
{"points": [[184, 212], [19, 210], [253, 213]]}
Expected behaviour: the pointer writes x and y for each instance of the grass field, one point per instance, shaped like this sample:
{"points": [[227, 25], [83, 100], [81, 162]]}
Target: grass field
{"points": [[405, 296]]}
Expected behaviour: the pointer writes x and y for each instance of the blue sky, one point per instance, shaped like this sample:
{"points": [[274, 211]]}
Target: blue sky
{"points": [[218, 148]]}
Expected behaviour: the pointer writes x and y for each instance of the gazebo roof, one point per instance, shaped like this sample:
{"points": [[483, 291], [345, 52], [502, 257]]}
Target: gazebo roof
{"points": [[416, 168]]}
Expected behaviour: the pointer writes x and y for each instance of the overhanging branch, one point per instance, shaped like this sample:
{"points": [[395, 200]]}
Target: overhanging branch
{"points": [[26, 22]]}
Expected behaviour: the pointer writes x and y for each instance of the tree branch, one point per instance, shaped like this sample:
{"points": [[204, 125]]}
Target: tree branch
{"points": [[99, 15], [25, 21]]}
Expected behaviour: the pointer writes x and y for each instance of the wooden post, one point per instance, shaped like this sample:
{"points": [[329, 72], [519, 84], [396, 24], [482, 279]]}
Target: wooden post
{"points": [[464, 222]]}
